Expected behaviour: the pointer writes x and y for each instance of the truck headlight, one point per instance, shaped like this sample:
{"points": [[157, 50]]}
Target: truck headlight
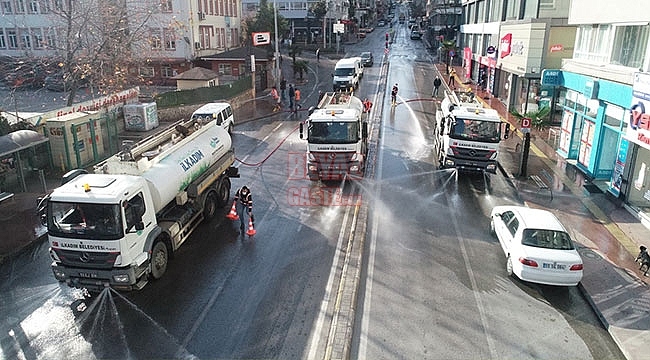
{"points": [[311, 157], [357, 157], [491, 167], [449, 162], [122, 278], [312, 167], [354, 168], [58, 274], [450, 151]]}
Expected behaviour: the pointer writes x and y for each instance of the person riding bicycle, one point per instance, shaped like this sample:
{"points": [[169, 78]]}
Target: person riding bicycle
{"points": [[393, 95]]}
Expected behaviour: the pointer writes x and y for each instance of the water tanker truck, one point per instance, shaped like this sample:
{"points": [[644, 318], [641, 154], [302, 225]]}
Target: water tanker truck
{"points": [[337, 138], [119, 225]]}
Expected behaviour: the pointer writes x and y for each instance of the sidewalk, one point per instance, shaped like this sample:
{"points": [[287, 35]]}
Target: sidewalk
{"points": [[608, 236]]}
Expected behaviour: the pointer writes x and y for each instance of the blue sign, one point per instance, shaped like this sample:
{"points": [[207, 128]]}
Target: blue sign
{"points": [[552, 77], [452, 53]]}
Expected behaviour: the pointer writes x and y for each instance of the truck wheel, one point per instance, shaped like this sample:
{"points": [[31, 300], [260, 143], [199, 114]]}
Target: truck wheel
{"points": [[223, 193], [159, 260], [210, 205]]}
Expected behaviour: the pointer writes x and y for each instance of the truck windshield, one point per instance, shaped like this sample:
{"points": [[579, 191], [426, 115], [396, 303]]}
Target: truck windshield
{"points": [[84, 221], [333, 132], [476, 130], [343, 71]]}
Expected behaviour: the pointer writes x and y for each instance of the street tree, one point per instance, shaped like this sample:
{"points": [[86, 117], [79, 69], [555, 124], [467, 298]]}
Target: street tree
{"points": [[98, 41]]}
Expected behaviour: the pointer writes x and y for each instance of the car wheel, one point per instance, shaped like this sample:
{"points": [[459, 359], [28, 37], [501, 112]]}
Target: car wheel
{"points": [[509, 265], [159, 260]]}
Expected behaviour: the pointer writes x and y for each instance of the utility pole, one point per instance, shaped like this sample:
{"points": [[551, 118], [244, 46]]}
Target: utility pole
{"points": [[277, 47]]}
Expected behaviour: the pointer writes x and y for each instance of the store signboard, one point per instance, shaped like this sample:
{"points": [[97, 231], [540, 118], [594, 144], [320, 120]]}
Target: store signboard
{"points": [[638, 127]]}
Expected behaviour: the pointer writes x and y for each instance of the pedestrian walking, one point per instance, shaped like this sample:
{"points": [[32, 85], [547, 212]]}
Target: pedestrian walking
{"points": [[393, 95], [244, 201], [283, 88], [292, 95], [318, 55], [277, 102], [452, 78], [297, 100], [436, 86]]}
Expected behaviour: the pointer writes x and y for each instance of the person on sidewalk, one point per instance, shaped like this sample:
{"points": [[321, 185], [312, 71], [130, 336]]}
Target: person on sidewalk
{"points": [[318, 55], [277, 102], [436, 86], [292, 95], [244, 201], [452, 78], [393, 95], [297, 101]]}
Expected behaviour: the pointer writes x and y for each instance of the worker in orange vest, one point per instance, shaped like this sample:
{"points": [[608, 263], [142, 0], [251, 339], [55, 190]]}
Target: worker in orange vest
{"points": [[296, 100]]}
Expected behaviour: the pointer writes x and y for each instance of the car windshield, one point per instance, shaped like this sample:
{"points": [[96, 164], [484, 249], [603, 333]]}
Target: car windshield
{"points": [[85, 221], [333, 132], [344, 71], [365, 56], [547, 239], [477, 130]]}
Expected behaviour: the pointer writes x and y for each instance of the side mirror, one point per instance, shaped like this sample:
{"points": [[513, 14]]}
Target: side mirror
{"points": [[507, 134], [301, 130], [139, 226]]}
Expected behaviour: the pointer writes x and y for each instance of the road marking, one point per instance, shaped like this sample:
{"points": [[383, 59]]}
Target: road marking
{"points": [[318, 329]]}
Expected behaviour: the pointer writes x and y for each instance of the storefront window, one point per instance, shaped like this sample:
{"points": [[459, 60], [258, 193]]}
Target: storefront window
{"points": [[570, 99], [614, 115], [639, 195]]}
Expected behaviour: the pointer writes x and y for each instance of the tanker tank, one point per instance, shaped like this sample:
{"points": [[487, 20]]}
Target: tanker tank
{"points": [[172, 166]]}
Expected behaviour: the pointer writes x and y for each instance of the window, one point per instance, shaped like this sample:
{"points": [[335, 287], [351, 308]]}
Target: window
{"points": [[26, 38], [593, 42], [170, 39], [614, 115], [58, 5], [224, 69], [12, 38], [630, 43], [50, 38], [20, 6], [547, 4], [166, 6], [146, 71], [204, 36], [513, 225], [33, 6], [134, 210], [37, 35], [6, 7], [156, 42], [3, 42], [44, 6], [167, 72]]}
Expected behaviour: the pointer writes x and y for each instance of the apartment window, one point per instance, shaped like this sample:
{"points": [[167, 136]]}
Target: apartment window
{"points": [[146, 71], [26, 38], [33, 7], [156, 41], [6, 7], [234, 8], [50, 38], [170, 39], [630, 43], [593, 42], [12, 38], [512, 10], [211, 7], [58, 5], [3, 41], [204, 36], [44, 6], [37, 35], [480, 12], [283, 6], [547, 4], [225, 69], [20, 6], [250, 7], [166, 6], [167, 72]]}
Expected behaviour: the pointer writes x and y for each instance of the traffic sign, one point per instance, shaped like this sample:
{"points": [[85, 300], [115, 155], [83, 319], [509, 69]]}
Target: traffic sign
{"points": [[261, 38], [525, 125]]}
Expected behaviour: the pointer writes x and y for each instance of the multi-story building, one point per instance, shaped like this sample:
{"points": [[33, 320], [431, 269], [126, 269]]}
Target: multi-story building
{"points": [[602, 94], [445, 18], [172, 33]]}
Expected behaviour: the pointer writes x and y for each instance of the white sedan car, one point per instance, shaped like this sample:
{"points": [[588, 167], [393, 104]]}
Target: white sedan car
{"points": [[537, 246]]}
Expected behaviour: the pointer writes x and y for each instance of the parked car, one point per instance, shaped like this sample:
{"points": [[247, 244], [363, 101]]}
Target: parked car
{"points": [[537, 246], [416, 35], [367, 59], [381, 23]]}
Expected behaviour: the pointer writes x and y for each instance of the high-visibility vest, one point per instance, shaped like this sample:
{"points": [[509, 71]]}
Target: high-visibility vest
{"points": [[297, 92]]}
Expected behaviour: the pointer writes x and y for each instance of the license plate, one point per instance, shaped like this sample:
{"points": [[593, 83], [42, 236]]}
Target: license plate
{"points": [[87, 275]]}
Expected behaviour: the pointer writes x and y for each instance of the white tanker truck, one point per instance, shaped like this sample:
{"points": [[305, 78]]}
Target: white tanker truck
{"points": [[119, 226]]}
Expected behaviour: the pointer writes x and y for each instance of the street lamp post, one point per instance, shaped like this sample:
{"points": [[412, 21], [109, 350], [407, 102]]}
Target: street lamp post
{"points": [[277, 47]]}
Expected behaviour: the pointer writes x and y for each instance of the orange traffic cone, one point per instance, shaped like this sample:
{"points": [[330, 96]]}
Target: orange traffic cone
{"points": [[251, 228], [232, 215]]}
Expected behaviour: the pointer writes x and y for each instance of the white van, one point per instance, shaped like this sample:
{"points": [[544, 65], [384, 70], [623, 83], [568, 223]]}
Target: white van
{"points": [[347, 74], [220, 112]]}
